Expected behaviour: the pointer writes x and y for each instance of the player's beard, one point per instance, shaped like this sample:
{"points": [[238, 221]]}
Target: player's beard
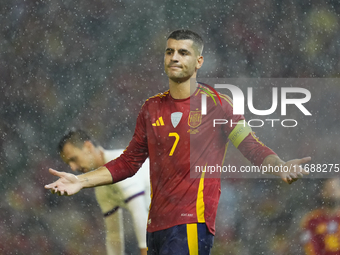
{"points": [[181, 76], [178, 79]]}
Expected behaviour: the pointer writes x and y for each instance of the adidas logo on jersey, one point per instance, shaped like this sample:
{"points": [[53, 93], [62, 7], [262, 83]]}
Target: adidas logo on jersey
{"points": [[159, 122]]}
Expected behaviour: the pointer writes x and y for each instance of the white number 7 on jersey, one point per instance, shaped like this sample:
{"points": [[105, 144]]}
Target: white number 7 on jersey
{"points": [[175, 143]]}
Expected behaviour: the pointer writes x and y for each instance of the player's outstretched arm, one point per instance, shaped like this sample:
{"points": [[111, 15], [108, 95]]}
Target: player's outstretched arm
{"points": [[289, 171], [70, 184]]}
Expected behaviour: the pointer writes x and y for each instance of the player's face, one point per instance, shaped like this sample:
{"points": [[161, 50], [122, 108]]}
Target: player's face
{"points": [[181, 61], [81, 160]]}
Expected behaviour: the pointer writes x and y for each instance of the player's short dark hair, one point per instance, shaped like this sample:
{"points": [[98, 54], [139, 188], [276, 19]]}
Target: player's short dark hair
{"points": [[76, 137], [186, 34]]}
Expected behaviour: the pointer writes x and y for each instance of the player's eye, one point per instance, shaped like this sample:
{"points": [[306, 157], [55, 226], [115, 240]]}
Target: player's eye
{"points": [[184, 52]]}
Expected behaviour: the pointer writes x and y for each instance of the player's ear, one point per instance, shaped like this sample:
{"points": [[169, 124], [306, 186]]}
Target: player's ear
{"points": [[88, 145], [200, 61]]}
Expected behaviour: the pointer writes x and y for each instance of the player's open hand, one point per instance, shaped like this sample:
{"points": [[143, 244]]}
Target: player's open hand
{"points": [[294, 170], [67, 184]]}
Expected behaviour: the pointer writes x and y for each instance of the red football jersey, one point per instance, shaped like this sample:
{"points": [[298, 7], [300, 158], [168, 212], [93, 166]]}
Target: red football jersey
{"points": [[177, 138], [321, 232]]}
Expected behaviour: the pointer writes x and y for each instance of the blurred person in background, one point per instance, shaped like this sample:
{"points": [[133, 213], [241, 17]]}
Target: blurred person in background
{"points": [[321, 227], [83, 154]]}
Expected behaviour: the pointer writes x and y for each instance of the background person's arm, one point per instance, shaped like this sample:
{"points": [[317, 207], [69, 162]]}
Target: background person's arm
{"points": [[137, 208], [109, 202], [114, 240]]}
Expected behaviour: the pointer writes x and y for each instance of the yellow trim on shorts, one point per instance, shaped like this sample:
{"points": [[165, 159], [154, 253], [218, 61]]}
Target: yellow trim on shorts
{"points": [[192, 236], [239, 132]]}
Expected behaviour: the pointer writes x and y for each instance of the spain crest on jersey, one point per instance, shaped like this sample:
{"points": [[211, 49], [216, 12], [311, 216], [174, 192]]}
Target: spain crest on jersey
{"points": [[195, 119]]}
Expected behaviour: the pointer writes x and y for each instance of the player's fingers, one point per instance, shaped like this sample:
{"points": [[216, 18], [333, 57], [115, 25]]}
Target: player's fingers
{"points": [[293, 175], [304, 160], [50, 186], [292, 179], [56, 173], [62, 193], [302, 172], [305, 172], [299, 173], [289, 180]]}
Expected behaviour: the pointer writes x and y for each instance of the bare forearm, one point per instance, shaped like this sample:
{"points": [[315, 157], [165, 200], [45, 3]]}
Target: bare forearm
{"points": [[100, 176]]}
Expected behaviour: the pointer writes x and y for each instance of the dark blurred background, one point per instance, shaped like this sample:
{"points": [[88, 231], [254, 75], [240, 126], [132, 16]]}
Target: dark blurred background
{"points": [[92, 64]]}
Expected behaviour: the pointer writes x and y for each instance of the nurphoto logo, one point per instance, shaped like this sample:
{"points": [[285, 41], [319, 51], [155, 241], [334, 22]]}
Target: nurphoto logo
{"points": [[239, 104]]}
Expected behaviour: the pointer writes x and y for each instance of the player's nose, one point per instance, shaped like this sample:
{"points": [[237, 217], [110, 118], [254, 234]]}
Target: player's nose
{"points": [[175, 57], [73, 166]]}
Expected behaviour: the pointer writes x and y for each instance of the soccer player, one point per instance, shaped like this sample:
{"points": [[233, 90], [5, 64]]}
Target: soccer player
{"points": [[81, 153], [171, 131], [321, 227]]}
